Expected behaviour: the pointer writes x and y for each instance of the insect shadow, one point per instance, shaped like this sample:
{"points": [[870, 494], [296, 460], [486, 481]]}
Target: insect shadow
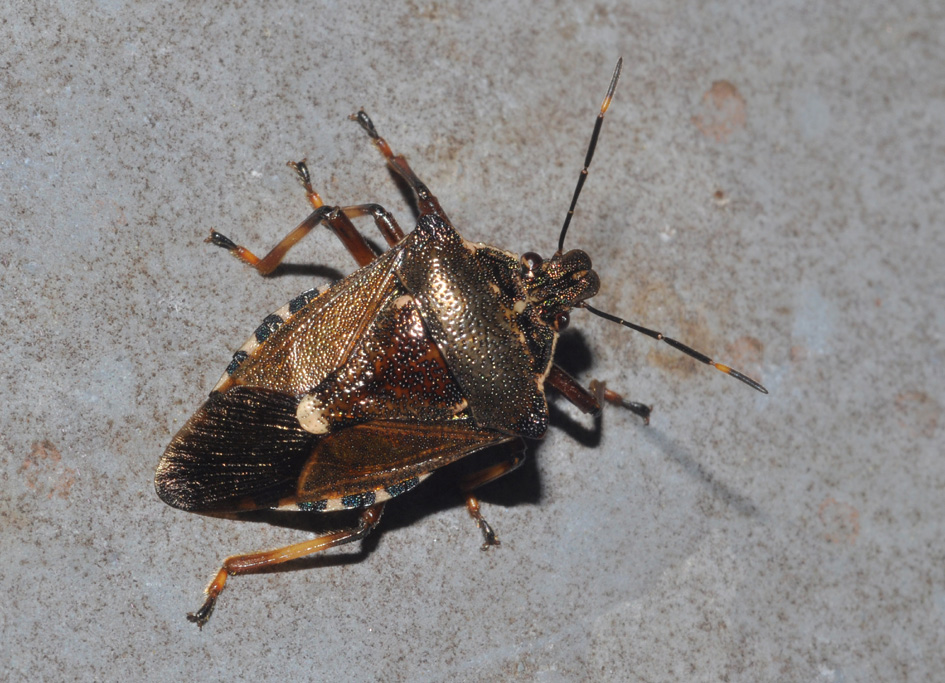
{"points": [[684, 459], [308, 270], [521, 487], [574, 356]]}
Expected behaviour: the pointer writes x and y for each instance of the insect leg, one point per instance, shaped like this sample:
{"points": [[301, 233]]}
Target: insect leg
{"points": [[514, 456], [301, 170], [251, 562], [383, 219], [340, 224], [588, 400], [426, 202]]}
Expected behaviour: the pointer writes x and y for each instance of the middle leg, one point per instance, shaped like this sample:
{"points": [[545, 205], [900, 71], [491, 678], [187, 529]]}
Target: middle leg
{"points": [[339, 223], [383, 219], [513, 453]]}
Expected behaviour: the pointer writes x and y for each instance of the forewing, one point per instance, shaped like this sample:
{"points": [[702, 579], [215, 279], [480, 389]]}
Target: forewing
{"points": [[307, 345], [377, 454]]}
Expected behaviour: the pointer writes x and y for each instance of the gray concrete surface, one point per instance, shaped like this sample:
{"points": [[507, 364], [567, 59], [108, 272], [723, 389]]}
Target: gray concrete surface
{"points": [[768, 187]]}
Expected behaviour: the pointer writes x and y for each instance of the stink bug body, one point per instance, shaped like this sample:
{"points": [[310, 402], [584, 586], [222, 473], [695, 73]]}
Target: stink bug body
{"points": [[349, 396]]}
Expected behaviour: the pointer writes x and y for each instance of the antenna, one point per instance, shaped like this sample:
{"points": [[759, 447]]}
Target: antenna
{"points": [[688, 350], [659, 336], [590, 153]]}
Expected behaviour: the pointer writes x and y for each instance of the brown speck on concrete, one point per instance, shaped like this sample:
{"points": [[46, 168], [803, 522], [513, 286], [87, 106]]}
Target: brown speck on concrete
{"points": [[720, 198], [918, 413], [43, 473], [660, 302], [841, 521], [723, 112]]}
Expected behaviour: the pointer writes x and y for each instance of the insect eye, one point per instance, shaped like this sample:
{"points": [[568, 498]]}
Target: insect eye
{"points": [[531, 261], [562, 320]]}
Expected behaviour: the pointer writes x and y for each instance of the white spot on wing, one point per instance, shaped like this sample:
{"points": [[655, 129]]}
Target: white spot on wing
{"points": [[310, 415]]}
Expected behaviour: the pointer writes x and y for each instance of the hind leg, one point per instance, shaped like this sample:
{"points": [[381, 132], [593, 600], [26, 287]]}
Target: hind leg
{"points": [[251, 562]]}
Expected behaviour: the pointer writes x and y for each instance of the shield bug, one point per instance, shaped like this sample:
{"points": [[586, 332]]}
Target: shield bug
{"points": [[348, 396]]}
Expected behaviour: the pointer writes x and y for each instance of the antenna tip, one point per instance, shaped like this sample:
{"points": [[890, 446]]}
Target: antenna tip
{"points": [[613, 86], [739, 376]]}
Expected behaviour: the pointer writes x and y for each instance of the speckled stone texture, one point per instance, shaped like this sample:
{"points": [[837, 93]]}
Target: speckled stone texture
{"points": [[768, 188]]}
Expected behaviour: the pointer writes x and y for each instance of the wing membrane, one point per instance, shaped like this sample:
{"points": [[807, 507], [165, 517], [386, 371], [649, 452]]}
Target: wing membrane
{"points": [[242, 449]]}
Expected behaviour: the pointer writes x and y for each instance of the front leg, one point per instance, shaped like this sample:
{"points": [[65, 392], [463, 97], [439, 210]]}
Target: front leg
{"points": [[589, 400], [426, 202]]}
